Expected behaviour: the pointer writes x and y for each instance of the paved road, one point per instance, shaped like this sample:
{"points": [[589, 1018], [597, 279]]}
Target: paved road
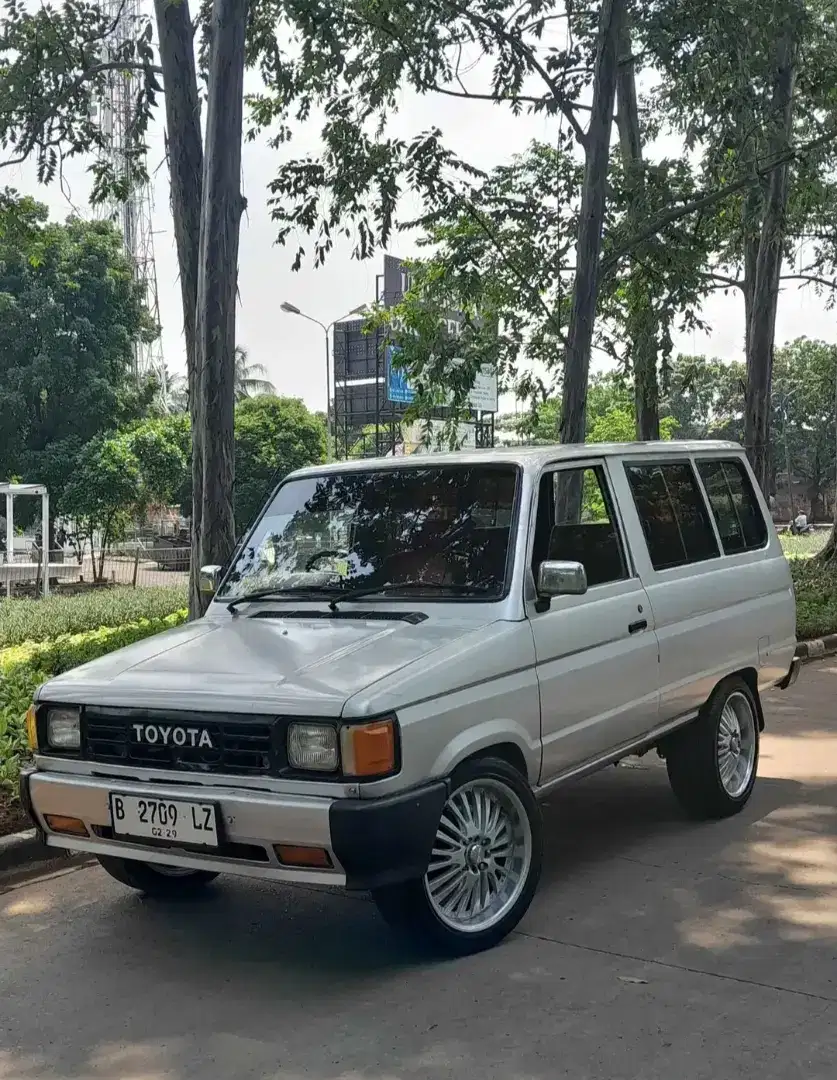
{"points": [[655, 949]]}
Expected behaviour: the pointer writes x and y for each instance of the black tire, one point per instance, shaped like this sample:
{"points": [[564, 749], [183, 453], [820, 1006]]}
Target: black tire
{"points": [[154, 881], [693, 757], [407, 907]]}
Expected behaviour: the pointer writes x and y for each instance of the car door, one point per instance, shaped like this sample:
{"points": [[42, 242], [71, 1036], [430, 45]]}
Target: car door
{"points": [[596, 654]]}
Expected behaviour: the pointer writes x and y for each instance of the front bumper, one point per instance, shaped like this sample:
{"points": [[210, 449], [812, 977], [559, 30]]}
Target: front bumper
{"points": [[371, 842]]}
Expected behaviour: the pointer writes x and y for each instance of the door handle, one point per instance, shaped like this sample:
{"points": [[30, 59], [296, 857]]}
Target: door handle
{"points": [[635, 627]]}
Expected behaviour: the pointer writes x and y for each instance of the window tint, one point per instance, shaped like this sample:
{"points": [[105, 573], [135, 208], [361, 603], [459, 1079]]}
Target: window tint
{"points": [[575, 524], [734, 505], [673, 514]]}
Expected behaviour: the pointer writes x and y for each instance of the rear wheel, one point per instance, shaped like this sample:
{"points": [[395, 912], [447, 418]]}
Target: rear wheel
{"points": [[712, 763], [154, 879], [484, 867]]}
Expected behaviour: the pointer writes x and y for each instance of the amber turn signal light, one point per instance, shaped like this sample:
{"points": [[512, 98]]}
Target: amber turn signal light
{"points": [[31, 728], [368, 749], [297, 855], [71, 826]]}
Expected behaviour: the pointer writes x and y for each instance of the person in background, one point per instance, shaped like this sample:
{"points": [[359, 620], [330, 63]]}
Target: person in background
{"points": [[800, 524]]}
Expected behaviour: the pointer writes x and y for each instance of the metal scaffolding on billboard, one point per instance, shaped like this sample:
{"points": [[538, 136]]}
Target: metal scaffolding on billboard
{"points": [[372, 396]]}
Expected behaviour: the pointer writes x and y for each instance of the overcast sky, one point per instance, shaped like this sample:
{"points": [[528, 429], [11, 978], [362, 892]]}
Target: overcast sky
{"points": [[291, 349]]}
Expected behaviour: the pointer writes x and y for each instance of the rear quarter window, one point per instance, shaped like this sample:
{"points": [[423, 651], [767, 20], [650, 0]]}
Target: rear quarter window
{"points": [[672, 513], [734, 505]]}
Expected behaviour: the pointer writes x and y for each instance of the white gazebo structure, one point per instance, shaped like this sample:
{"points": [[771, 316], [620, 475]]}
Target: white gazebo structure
{"points": [[11, 570]]}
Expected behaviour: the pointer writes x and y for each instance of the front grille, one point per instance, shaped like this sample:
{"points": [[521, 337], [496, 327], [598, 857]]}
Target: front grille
{"points": [[243, 746]]}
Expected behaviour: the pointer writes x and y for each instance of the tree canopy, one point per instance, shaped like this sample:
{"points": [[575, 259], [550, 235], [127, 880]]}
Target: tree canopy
{"points": [[70, 315], [583, 241], [273, 436]]}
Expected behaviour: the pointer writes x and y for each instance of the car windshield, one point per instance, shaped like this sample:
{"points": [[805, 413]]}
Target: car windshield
{"points": [[439, 525]]}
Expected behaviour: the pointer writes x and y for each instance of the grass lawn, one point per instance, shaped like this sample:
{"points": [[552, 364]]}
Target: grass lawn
{"points": [[803, 547]]}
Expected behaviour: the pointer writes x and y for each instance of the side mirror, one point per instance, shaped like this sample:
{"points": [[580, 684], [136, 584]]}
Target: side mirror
{"points": [[210, 575], [561, 579]]}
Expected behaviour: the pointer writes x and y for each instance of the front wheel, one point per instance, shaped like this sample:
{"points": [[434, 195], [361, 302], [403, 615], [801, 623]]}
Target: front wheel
{"points": [[484, 866], [163, 882], [712, 763]]}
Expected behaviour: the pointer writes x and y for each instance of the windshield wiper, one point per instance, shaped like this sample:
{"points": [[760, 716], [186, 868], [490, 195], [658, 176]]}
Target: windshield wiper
{"points": [[268, 594], [360, 591]]}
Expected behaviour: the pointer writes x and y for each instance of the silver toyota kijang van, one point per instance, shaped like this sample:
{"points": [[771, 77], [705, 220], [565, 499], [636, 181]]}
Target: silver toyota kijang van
{"points": [[405, 654]]}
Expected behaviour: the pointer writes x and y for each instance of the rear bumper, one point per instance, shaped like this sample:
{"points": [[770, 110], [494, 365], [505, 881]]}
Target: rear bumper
{"points": [[792, 675], [370, 842]]}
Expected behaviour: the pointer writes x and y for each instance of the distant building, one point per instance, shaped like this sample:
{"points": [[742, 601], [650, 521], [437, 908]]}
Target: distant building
{"points": [[372, 395]]}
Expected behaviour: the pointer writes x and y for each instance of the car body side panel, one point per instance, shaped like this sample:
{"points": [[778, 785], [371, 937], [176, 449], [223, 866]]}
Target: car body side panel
{"points": [[715, 617]]}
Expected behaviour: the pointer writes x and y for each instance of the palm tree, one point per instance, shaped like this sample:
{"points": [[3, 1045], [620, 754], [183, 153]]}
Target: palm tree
{"points": [[247, 381], [176, 397]]}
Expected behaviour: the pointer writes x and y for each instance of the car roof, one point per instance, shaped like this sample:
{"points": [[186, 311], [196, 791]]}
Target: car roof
{"points": [[528, 457]]}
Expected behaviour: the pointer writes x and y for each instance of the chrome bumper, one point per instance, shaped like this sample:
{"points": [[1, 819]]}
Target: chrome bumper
{"points": [[252, 823]]}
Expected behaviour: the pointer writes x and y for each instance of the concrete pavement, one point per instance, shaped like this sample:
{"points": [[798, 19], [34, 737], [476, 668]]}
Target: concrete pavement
{"points": [[655, 948]]}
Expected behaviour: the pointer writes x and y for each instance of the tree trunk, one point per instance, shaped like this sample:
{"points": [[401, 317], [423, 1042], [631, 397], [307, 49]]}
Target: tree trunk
{"points": [[830, 549], [765, 295], [752, 208], [642, 321], [588, 247], [221, 209], [185, 158]]}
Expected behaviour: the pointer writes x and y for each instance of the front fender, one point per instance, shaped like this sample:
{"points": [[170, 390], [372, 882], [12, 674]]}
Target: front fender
{"points": [[481, 738]]}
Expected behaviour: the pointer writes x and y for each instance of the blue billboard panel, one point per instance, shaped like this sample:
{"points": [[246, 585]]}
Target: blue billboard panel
{"points": [[398, 388]]}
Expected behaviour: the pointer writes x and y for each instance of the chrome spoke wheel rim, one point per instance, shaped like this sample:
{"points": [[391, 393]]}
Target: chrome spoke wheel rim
{"points": [[481, 856], [736, 745]]}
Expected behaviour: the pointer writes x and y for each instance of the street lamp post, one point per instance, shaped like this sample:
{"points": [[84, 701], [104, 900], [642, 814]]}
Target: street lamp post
{"points": [[292, 309]]}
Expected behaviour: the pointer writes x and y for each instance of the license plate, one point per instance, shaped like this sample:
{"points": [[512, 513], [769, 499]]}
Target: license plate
{"points": [[178, 822]]}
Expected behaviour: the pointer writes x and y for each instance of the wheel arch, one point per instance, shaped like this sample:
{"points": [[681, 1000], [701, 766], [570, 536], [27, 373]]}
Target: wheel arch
{"points": [[751, 678], [506, 751], [491, 739]]}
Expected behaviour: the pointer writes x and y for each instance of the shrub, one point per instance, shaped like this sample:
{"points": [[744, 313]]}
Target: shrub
{"points": [[41, 620], [15, 695], [816, 598], [70, 650], [24, 667]]}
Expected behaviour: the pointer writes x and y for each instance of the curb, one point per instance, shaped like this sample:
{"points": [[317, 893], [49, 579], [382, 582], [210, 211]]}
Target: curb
{"points": [[21, 848], [19, 851], [817, 648]]}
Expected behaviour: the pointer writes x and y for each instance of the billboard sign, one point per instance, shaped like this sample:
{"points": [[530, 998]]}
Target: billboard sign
{"points": [[398, 388], [482, 396]]}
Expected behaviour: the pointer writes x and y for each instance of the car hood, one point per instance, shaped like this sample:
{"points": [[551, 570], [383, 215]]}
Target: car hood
{"points": [[307, 666]]}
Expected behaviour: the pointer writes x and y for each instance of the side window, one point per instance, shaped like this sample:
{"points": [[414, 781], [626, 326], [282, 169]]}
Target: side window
{"points": [[575, 523], [673, 514], [734, 506]]}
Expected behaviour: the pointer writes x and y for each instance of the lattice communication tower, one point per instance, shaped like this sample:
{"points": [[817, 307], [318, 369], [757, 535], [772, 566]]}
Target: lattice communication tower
{"points": [[134, 216]]}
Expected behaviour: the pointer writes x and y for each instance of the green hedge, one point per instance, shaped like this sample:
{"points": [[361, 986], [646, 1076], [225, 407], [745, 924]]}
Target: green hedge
{"points": [[70, 650], [43, 620], [24, 667], [816, 598]]}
